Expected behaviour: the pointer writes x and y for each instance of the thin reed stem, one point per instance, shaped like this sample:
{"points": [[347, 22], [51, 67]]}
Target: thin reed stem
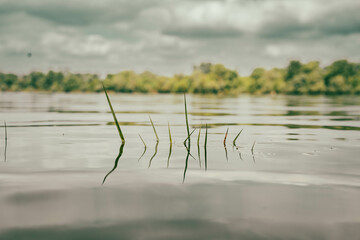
{"points": [[152, 124], [237, 137], [114, 116]]}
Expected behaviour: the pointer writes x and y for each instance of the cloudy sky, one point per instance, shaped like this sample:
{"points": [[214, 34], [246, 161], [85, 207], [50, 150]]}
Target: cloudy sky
{"points": [[170, 36]]}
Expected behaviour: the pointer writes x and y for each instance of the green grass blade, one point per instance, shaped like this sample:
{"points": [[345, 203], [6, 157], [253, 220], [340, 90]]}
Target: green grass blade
{"points": [[227, 130], [169, 133], [152, 124], [142, 140], [189, 136], [114, 116], [237, 137], [186, 117]]}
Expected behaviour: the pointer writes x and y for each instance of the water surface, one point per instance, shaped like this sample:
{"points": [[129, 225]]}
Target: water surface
{"points": [[301, 181]]}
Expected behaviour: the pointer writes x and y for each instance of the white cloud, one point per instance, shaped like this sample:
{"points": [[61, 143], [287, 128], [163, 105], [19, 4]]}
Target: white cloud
{"points": [[92, 45], [274, 50], [169, 36]]}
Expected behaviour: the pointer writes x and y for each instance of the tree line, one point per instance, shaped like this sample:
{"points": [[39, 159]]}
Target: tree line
{"points": [[341, 77]]}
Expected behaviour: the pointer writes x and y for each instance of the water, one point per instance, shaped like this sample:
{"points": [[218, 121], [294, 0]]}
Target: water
{"points": [[301, 181]]}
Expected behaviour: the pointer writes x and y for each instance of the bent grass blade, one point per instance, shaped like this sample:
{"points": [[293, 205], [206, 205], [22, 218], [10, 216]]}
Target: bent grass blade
{"points": [[237, 137], [188, 138]]}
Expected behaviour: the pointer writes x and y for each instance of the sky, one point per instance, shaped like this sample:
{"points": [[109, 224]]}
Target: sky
{"points": [[171, 36]]}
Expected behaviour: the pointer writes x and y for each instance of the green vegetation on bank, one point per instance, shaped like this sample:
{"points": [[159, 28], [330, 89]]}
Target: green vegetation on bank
{"points": [[341, 77]]}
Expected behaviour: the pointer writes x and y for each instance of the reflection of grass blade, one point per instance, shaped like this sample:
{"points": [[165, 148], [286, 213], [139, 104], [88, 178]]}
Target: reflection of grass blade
{"points": [[170, 149], [168, 161], [187, 159], [237, 137], [152, 124], [226, 153], [205, 147], [189, 136], [5, 141], [198, 145], [252, 148], [186, 117], [114, 116], [227, 130], [170, 134], [144, 148], [116, 161], [240, 156], [198, 139], [152, 157], [186, 164], [142, 154]]}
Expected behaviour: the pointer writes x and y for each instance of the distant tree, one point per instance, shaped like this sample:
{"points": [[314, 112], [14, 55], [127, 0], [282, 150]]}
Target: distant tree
{"points": [[10, 79], [341, 68], [203, 67], [337, 85], [293, 69], [72, 83]]}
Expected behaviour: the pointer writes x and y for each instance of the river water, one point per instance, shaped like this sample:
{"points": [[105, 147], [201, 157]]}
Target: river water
{"points": [[294, 172]]}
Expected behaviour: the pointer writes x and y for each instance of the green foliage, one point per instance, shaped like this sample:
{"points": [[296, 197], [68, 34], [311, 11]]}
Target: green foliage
{"points": [[341, 77]]}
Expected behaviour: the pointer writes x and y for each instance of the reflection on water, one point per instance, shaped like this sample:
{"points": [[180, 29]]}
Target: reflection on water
{"points": [[286, 176], [155, 152], [121, 150], [142, 140], [6, 141], [188, 147]]}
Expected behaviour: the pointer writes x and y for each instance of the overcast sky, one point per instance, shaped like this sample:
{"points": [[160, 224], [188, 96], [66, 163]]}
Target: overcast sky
{"points": [[168, 36]]}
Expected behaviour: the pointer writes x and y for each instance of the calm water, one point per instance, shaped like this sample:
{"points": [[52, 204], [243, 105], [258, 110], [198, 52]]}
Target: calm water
{"points": [[301, 181]]}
